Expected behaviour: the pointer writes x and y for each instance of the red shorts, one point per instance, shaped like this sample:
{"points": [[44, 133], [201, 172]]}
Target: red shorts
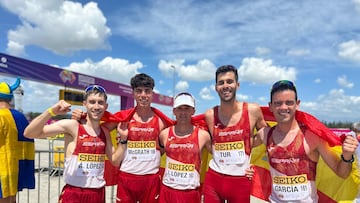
{"points": [[72, 194], [170, 195], [142, 188], [219, 187]]}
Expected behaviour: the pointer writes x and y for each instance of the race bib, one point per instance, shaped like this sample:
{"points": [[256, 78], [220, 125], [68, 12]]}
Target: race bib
{"points": [[181, 173], [230, 152], [90, 164], [141, 150], [291, 187]]}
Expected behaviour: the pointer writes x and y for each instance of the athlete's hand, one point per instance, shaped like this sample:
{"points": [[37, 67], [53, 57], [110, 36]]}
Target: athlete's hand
{"points": [[249, 172], [349, 146], [78, 114], [61, 107], [122, 131]]}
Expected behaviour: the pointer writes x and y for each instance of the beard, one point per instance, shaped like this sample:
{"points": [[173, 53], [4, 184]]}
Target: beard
{"points": [[227, 98]]}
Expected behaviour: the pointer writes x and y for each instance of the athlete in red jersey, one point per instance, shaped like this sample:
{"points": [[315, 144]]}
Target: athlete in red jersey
{"points": [[294, 151], [183, 145], [139, 177], [85, 146], [231, 125]]}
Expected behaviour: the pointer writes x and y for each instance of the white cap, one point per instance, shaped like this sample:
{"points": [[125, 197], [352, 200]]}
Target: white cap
{"points": [[184, 98]]}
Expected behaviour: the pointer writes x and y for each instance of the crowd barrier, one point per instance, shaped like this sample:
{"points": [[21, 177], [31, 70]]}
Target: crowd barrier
{"points": [[49, 179]]}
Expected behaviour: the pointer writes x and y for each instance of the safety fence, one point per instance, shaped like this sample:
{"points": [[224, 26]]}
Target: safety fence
{"points": [[49, 165]]}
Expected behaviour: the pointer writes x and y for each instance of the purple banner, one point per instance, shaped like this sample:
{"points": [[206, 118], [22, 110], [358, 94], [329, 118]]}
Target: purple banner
{"points": [[31, 70]]}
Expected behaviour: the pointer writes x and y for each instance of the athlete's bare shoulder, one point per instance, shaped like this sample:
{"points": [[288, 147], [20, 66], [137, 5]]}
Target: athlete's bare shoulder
{"points": [[256, 115], [209, 116], [209, 112], [253, 106]]}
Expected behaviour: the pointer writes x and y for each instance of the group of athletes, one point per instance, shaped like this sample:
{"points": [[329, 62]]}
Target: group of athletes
{"points": [[228, 131]]}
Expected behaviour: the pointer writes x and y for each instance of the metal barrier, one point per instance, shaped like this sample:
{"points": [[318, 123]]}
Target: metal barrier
{"points": [[49, 180]]}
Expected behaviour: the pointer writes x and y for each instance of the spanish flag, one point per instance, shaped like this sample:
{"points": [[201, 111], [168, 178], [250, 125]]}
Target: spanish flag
{"points": [[16, 154]]}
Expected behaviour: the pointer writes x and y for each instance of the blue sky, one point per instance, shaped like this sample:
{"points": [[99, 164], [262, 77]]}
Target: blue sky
{"points": [[314, 43]]}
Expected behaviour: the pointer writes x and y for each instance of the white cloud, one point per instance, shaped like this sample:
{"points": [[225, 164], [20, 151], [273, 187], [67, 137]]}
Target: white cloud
{"points": [[117, 70], [343, 82], [262, 50], [62, 27], [357, 4], [350, 50], [263, 100], [242, 97], [298, 52], [15, 48], [182, 86], [334, 106], [177, 34], [169, 68], [205, 93], [48, 94], [263, 71], [317, 80], [203, 70]]}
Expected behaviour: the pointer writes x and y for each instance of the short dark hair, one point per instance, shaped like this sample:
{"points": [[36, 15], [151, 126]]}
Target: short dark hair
{"points": [[282, 85], [142, 80], [225, 69]]}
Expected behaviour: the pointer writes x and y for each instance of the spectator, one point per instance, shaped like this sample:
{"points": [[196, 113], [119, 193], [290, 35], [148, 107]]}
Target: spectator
{"points": [[16, 151]]}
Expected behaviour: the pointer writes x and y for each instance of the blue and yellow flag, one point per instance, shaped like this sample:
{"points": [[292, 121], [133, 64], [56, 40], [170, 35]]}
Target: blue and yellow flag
{"points": [[16, 154]]}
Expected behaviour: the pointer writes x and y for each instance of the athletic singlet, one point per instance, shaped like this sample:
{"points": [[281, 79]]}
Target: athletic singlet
{"points": [[143, 152], [231, 145], [85, 167], [292, 172], [183, 161]]}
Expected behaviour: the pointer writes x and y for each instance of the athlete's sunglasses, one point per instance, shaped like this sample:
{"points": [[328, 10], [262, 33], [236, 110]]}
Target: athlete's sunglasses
{"points": [[283, 83], [97, 87]]}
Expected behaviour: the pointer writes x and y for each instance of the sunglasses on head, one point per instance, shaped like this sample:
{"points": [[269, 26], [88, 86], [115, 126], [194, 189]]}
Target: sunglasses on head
{"points": [[280, 83], [97, 87]]}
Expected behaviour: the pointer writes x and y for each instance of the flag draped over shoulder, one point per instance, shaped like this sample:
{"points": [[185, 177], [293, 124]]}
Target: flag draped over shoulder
{"points": [[111, 172], [331, 188], [17, 154]]}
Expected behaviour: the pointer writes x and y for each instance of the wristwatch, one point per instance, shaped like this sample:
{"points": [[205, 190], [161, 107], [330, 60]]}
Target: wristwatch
{"points": [[123, 141], [347, 161]]}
